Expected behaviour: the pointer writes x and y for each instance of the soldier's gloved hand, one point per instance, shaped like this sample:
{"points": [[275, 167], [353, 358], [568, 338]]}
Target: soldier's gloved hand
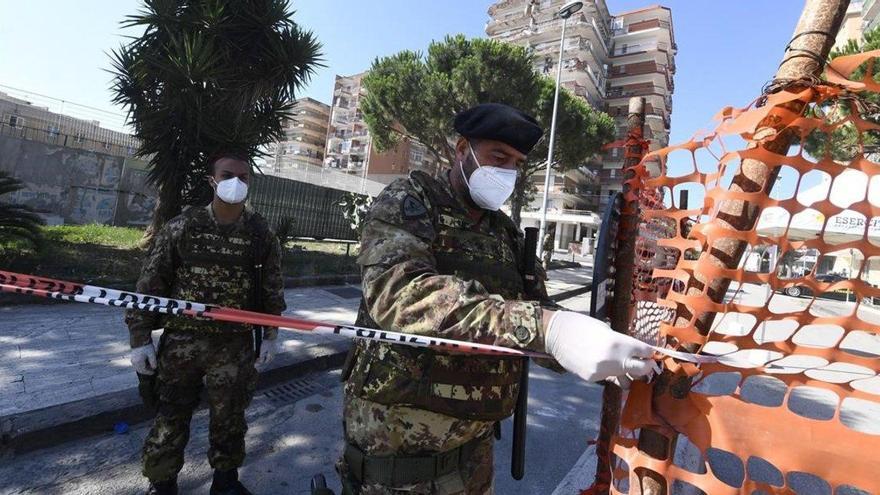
{"points": [[589, 348], [267, 351], [143, 359]]}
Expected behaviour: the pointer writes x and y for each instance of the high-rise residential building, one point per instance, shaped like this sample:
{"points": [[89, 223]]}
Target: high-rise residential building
{"points": [[870, 14], [349, 145], [534, 25], [347, 137], [24, 117], [855, 21], [305, 138], [607, 58], [641, 63]]}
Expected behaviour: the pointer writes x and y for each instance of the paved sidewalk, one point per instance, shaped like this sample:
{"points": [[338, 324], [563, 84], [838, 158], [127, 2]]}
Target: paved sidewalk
{"points": [[57, 353], [65, 362]]}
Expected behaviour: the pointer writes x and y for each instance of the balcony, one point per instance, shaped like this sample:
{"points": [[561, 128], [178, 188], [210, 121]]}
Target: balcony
{"points": [[624, 92], [642, 25]]}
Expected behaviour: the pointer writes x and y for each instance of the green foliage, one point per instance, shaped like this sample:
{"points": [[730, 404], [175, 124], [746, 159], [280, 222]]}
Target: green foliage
{"points": [[208, 76], [354, 209], [284, 230], [18, 223], [843, 143], [97, 234], [414, 96], [112, 256]]}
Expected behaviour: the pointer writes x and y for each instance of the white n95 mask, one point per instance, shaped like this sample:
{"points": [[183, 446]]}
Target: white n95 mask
{"points": [[232, 190], [489, 186]]}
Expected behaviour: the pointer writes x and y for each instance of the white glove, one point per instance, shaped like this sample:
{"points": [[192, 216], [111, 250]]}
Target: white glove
{"points": [[268, 349], [143, 359], [589, 348]]}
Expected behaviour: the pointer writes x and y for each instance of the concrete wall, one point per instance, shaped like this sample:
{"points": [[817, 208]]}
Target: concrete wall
{"points": [[77, 186]]}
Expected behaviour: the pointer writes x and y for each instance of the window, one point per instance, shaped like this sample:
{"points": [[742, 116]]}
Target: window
{"points": [[416, 156], [15, 121]]}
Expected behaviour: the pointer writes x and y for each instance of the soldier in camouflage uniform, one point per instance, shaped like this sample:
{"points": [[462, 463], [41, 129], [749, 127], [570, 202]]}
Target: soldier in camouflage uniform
{"points": [[207, 254], [438, 258]]}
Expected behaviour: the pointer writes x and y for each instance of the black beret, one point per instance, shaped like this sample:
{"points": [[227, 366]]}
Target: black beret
{"points": [[499, 122]]}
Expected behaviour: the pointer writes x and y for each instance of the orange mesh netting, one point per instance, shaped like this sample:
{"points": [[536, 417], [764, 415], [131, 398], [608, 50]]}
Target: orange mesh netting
{"points": [[793, 406]]}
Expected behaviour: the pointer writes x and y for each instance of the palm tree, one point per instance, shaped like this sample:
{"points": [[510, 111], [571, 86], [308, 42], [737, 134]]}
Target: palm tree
{"points": [[17, 221], [208, 76]]}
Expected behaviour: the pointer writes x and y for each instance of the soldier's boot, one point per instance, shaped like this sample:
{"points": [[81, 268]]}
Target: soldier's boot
{"points": [[226, 483], [168, 487], [319, 486]]}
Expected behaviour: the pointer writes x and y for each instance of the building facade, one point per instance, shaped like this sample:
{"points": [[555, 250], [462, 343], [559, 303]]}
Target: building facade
{"points": [[607, 58], [305, 138], [349, 145], [20, 117], [641, 63]]}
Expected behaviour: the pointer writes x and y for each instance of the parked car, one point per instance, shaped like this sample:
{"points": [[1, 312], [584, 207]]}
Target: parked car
{"points": [[803, 290]]}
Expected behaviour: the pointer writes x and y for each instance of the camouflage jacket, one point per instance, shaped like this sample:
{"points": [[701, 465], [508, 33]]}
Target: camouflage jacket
{"points": [[195, 258], [431, 269]]}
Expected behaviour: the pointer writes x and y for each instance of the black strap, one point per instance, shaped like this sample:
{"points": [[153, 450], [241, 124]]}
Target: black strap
{"points": [[256, 297], [404, 470]]}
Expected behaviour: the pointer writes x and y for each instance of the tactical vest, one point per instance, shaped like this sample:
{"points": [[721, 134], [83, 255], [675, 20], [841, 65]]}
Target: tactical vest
{"points": [[462, 386], [213, 268]]}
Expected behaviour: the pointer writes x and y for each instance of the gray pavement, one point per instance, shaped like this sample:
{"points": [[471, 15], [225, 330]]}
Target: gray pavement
{"points": [[54, 356], [295, 433], [56, 353]]}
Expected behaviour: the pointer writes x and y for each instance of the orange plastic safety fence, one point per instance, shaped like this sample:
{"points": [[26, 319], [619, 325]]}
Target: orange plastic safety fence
{"points": [[793, 406]]}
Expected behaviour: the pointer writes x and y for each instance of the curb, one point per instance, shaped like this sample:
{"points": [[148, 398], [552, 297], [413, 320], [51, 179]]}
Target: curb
{"points": [[313, 280], [561, 296], [54, 425]]}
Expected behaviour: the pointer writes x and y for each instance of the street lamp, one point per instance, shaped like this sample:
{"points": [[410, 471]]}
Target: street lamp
{"points": [[565, 12]]}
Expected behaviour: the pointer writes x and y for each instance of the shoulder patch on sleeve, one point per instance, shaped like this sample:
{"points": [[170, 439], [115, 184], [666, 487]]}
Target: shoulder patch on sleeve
{"points": [[411, 207]]}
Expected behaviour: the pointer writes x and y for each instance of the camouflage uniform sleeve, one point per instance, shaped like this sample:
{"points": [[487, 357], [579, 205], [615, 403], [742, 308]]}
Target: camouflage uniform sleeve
{"points": [[157, 279], [273, 284], [403, 290]]}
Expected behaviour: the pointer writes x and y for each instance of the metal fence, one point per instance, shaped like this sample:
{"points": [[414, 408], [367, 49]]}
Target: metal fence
{"points": [[315, 210]]}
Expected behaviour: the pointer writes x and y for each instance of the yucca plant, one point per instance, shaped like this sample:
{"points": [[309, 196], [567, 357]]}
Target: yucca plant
{"points": [[208, 76], [17, 222]]}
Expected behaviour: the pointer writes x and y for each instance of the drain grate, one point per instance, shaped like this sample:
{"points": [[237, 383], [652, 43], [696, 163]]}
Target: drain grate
{"points": [[290, 392], [345, 292]]}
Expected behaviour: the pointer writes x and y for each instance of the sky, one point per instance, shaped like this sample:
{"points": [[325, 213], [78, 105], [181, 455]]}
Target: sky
{"points": [[727, 50]]}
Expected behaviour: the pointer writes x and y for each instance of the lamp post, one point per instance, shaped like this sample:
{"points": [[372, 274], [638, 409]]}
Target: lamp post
{"points": [[565, 12]]}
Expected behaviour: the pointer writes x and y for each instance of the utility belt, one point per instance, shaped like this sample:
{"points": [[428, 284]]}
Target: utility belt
{"points": [[406, 470]]}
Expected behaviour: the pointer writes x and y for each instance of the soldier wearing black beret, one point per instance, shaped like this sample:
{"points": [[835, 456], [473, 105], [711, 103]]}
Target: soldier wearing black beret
{"points": [[438, 258]]}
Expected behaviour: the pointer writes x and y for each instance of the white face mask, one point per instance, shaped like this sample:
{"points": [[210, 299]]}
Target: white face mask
{"points": [[489, 186], [232, 191]]}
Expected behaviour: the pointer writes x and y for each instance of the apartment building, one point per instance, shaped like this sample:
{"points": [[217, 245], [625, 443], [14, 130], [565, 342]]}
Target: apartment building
{"points": [[349, 146], [641, 63], [861, 16], [534, 25], [607, 58], [21, 117], [305, 138]]}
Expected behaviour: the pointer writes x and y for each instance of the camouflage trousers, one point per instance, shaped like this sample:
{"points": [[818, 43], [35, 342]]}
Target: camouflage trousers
{"points": [[222, 364], [396, 430]]}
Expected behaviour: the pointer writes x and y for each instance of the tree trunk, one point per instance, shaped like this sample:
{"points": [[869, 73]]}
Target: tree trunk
{"points": [[815, 33], [622, 304], [168, 205]]}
